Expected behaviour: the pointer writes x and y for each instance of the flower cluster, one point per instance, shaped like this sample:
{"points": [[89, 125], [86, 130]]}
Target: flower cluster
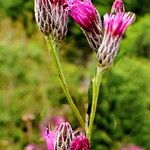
{"points": [[64, 138], [52, 18], [104, 37]]}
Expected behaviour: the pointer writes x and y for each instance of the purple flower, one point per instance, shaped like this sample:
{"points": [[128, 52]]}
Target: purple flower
{"points": [[80, 142], [52, 17], [84, 13], [114, 26], [131, 147], [87, 17], [59, 138], [117, 7], [64, 138]]}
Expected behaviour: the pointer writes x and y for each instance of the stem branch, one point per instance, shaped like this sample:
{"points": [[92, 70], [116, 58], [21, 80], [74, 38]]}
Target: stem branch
{"points": [[53, 51], [96, 84]]}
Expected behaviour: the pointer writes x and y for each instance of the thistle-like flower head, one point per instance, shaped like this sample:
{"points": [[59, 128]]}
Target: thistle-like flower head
{"points": [[64, 138], [87, 17], [80, 142], [59, 138], [114, 25], [52, 17]]}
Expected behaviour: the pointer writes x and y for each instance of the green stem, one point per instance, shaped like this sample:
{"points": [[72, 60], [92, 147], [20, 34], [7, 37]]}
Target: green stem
{"points": [[96, 84], [53, 51]]}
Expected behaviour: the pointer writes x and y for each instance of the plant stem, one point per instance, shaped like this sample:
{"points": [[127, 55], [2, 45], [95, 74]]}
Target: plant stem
{"points": [[96, 84], [52, 46]]}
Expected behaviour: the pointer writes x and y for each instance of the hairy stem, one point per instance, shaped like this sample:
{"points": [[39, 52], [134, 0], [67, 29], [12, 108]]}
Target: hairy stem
{"points": [[52, 46]]}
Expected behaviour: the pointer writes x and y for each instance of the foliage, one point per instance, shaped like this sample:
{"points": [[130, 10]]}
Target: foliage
{"points": [[140, 40], [29, 85], [123, 109]]}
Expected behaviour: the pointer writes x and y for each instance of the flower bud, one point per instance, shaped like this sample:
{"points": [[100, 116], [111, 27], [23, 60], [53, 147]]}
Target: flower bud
{"points": [[117, 7], [114, 27], [87, 17], [52, 17]]}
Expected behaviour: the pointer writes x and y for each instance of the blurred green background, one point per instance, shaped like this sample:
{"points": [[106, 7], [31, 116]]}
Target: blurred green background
{"points": [[30, 90]]}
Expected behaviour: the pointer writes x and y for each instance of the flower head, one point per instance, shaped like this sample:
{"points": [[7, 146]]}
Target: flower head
{"points": [[114, 26], [64, 138], [59, 138], [52, 17], [80, 142], [87, 17], [117, 7]]}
